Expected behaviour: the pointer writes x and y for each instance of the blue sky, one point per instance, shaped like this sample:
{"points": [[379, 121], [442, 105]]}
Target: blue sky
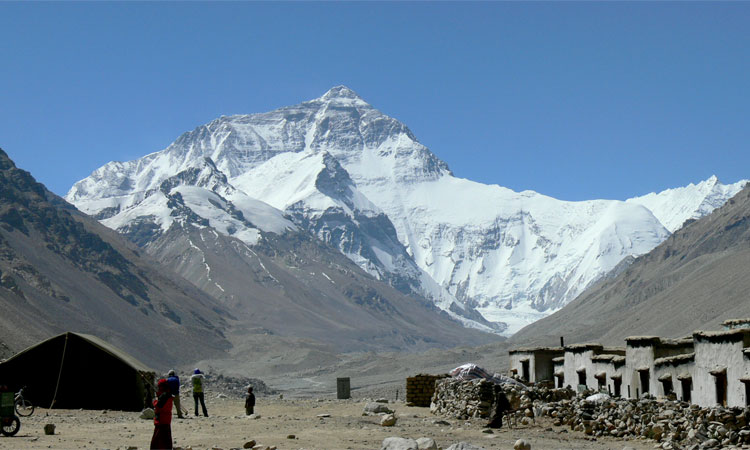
{"points": [[573, 100]]}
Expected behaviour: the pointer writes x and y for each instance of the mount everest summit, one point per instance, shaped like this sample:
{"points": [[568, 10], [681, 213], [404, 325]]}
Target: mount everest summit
{"points": [[339, 169]]}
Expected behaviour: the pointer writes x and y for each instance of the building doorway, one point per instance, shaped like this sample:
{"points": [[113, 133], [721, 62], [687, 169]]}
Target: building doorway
{"points": [[618, 386], [721, 388], [687, 387], [644, 377], [525, 370], [601, 381], [668, 387], [582, 377]]}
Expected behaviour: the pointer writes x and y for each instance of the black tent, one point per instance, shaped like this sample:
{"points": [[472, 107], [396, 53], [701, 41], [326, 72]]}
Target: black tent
{"points": [[76, 370]]}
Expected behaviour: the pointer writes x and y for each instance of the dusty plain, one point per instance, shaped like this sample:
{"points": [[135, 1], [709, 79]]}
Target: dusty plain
{"points": [[301, 423]]}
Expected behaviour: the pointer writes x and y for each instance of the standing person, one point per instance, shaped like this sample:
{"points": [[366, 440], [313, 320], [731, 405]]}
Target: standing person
{"points": [[174, 387], [162, 438], [499, 407], [197, 380], [249, 401]]}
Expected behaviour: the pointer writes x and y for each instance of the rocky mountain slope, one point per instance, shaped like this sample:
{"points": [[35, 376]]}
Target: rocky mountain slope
{"points": [[61, 270], [360, 181], [289, 296], [697, 278]]}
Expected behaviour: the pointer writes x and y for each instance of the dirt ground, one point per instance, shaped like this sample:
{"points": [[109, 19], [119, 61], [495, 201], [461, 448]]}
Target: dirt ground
{"points": [[322, 424]]}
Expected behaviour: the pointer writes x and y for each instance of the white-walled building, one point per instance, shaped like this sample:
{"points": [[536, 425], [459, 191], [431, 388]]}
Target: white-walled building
{"points": [[641, 352], [608, 367], [534, 364], [675, 376], [578, 367], [722, 367], [710, 368]]}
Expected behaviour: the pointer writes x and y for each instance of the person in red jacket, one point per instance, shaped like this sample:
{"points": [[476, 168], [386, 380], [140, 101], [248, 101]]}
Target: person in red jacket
{"points": [[162, 438]]}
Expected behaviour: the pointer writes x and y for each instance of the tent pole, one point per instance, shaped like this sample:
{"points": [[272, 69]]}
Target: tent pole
{"points": [[59, 375]]}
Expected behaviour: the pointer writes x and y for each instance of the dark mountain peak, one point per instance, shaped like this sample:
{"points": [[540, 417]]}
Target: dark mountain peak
{"points": [[5, 161], [204, 173]]}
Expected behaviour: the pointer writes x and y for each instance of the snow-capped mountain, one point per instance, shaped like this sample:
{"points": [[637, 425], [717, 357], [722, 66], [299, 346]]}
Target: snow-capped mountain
{"points": [[674, 206], [360, 180]]}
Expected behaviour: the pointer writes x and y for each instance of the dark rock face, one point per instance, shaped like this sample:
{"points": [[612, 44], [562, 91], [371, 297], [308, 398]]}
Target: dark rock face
{"points": [[61, 270]]}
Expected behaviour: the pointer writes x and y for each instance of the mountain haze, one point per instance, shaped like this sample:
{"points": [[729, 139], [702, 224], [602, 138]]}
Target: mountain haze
{"points": [[359, 180]]}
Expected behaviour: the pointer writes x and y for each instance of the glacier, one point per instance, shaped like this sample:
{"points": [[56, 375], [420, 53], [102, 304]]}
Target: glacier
{"points": [[360, 180]]}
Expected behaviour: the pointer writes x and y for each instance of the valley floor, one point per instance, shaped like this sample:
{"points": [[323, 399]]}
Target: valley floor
{"points": [[322, 424]]}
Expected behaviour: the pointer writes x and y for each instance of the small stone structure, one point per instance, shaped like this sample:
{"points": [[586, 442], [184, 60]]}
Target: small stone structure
{"points": [[420, 389], [534, 364], [467, 399], [722, 367], [640, 356], [463, 399]]}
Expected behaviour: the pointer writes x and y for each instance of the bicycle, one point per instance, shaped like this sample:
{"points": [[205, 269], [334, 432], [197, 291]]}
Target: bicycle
{"points": [[23, 407], [9, 422]]}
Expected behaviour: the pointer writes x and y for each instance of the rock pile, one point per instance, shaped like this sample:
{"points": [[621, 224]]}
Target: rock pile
{"points": [[420, 389], [673, 424], [233, 387]]}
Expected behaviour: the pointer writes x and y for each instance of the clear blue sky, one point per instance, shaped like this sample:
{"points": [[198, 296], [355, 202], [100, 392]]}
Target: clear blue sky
{"points": [[573, 100]]}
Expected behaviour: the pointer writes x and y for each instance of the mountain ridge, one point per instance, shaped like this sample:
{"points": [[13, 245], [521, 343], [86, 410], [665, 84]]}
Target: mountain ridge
{"points": [[695, 279], [469, 247]]}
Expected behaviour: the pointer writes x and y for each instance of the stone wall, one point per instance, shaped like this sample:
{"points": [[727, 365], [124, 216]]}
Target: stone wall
{"points": [[462, 399], [673, 424], [420, 389]]}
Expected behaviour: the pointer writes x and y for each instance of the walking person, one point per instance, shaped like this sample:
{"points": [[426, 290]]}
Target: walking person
{"points": [[197, 381], [162, 438], [250, 401], [174, 387]]}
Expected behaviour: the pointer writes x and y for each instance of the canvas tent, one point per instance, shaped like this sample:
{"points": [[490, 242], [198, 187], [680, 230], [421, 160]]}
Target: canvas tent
{"points": [[74, 370]]}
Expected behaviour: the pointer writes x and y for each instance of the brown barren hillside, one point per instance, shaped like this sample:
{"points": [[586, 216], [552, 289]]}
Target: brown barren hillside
{"points": [[60, 270], [696, 279]]}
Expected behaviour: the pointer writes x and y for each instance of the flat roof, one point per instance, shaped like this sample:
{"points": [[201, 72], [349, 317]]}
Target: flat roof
{"points": [[675, 360], [536, 350], [722, 336], [656, 341], [583, 347]]}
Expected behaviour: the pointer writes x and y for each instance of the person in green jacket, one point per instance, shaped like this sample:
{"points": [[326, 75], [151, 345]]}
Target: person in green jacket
{"points": [[198, 380]]}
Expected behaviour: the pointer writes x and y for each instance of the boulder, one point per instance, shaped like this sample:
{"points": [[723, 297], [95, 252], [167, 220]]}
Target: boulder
{"points": [[521, 444], [397, 443], [426, 444], [376, 408], [147, 414], [388, 420], [464, 446]]}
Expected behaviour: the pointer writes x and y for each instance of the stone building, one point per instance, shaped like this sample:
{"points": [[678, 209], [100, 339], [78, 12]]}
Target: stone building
{"points": [[722, 367], [710, 368], [641, 352], [675, 376], [534, 365], [608, 367]]}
